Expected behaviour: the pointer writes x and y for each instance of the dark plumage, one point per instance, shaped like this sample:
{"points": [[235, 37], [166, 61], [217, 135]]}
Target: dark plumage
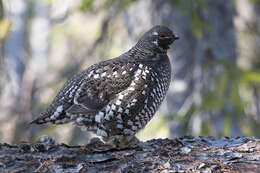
{"points": [[117, 97]]}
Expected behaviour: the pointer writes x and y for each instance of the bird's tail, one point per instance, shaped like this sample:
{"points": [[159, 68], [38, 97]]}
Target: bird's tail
{"points": [[60, 118], [39, 120], [36, 121], [43, 118]]}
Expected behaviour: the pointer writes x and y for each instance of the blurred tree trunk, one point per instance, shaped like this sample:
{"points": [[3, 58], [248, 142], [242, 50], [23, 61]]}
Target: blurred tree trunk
{"points": [[204, 41], [1, 43], [35, 68], [248, 30], [15, 58]]}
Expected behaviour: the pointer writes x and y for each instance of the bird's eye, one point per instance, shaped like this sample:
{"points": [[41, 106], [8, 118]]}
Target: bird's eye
{"points": [[162, 34]]}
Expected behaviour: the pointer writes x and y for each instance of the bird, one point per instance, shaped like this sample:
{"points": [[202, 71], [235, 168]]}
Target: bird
{"points": [[116, 98]]}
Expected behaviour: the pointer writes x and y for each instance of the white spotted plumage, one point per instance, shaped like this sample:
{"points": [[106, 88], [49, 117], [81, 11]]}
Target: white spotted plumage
{"points": [[119, 96]]}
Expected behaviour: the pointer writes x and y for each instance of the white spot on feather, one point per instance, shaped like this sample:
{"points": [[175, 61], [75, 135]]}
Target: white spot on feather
{"points": [[119, 116], [139, 125], [96, 76], [99, 117], [130, 123], [118, 102], [134, 128], [113, 107], [90, 73], [134, 100], [131, 88], [120, 110], [155, 42], [155, 33], [101, 133], [110, 114], [139, 71], [115, 73], [133, 83], [119, 126], [146, 70], [59, 109], [103, 74], [128, 132], [121, 96], [79, 120], [127, 111], [107, 108]]}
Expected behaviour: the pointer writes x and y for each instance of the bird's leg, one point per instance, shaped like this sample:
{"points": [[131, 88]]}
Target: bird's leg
{"points": [[129, 142], [123, 142]]}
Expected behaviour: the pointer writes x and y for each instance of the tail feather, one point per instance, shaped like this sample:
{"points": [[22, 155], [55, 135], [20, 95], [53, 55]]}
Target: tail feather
{"points": [[41, 119], [59, 119], [56, 115], [37, 121]]}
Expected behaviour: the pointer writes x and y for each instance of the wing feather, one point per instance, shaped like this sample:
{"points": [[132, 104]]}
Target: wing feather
{"points": [[105, 82]]}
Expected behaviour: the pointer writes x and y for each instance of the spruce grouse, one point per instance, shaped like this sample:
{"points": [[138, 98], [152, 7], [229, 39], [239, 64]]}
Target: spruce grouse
{"points": [[116, 98]]}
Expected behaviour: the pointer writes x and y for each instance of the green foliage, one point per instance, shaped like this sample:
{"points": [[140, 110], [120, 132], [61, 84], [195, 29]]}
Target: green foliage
{"points": [[247, 130], [5, 26], [183, 119], [197, 23], [251, 76], [86, 5], [1, 9], [193, 9], [255, 1], [125, 3], [231, 86], [214, 98], [227, 91], [109, 3], [122, 3], [205, 129], [178, 3], [229, 80], [89, 4], [226, 126]]}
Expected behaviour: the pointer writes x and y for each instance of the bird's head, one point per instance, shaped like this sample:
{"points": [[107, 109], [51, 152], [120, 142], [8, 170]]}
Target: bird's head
{"points": [[158, 39]]}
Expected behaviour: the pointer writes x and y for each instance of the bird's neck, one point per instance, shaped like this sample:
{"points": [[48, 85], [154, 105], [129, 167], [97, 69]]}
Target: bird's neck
{"points": [[146, 47], [141, 50]]}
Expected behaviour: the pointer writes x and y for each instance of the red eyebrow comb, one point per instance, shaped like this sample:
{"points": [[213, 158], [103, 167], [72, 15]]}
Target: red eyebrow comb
{"points": [[163, 34]]}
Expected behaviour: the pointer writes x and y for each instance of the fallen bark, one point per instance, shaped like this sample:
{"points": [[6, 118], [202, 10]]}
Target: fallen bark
{"points": [[187, 154]]}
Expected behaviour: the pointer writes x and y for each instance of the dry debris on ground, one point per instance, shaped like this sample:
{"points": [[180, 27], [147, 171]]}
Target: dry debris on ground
{"points": [[187, 154]]}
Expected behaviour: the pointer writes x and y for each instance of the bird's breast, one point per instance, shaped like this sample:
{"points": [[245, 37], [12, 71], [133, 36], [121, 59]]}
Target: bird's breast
{"points": [[132, 109]]}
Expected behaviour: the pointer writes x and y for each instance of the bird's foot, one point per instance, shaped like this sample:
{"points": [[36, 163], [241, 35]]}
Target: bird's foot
{"points": [[123, 142]]}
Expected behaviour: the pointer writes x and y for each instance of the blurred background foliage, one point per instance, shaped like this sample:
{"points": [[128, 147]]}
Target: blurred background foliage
{"points": [[215, 89]]}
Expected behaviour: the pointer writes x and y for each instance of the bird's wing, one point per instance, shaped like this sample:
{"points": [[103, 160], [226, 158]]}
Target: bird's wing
{"points": [[90, 90], [104, 81]]}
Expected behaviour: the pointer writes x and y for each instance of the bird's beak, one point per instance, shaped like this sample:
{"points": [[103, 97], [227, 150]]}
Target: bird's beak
{"points": [[173, 38]]}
